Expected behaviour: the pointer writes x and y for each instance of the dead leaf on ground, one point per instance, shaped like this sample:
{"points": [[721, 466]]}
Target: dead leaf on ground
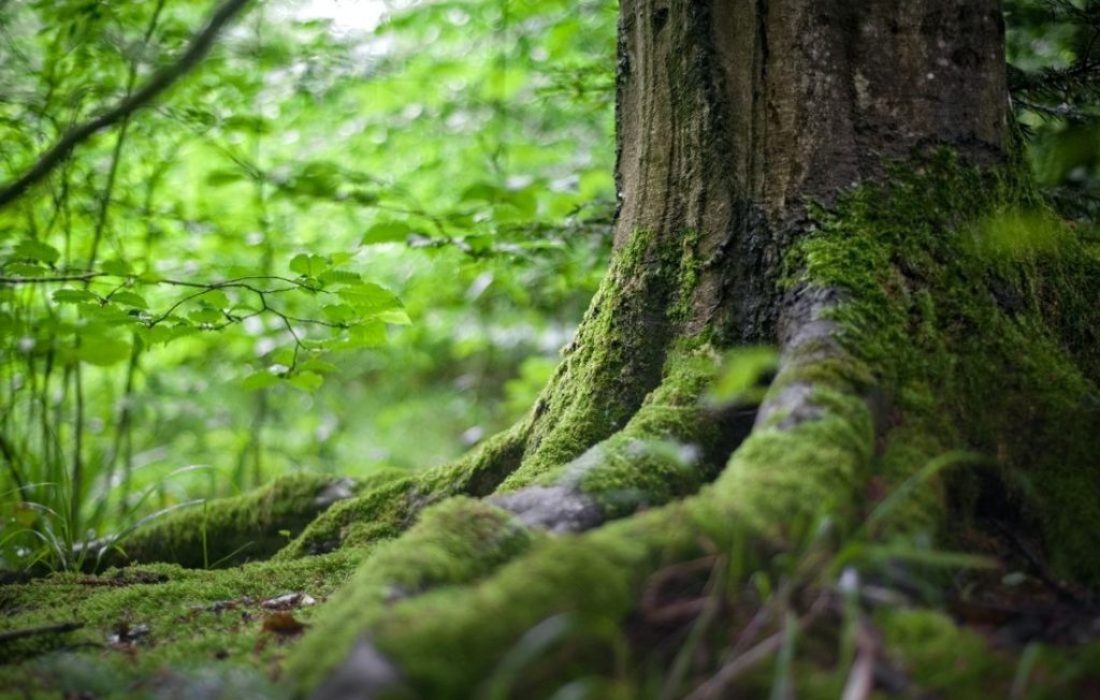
{"points": [[283, 623]]}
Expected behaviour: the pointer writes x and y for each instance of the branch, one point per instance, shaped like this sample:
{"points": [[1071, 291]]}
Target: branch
{"points": [[75, 277], [158, 83]]}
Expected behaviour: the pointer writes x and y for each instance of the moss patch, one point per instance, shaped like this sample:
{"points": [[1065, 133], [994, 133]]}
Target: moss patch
{"points": [[157, 628], [614, 362], [961, 332], [455, 542], [669, 448]]}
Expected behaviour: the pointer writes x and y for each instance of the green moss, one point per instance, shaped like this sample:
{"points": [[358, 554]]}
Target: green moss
{"points": [[230, 531], [449, 641], [389, 508], [940, 658], [205, 626], [965, 334], [688, 275], [614, 362], [795, 476], [667, 449], [910, 449], [454, 542]]}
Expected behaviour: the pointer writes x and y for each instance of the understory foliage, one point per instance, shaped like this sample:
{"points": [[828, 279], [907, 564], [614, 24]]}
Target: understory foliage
{"points": [[348, 226]]}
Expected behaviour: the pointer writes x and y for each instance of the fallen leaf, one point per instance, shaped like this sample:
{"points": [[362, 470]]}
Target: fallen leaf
{"points": [[282, 623]]}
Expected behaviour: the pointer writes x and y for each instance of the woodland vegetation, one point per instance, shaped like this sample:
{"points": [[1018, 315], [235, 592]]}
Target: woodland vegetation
{"points": [[544, 348]]}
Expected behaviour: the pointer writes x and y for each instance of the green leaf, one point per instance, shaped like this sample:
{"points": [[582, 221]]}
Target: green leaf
{"points": [[216, 299], [224, 176], [248, 123], [744, 374], [339, 277], [317, 366], [306, 381], [116, 267], [130, 299], [283, 356], [105, 314], [367, 335], [22, 269], [340, 313], [364, 197], [370, 299], [163, 333], [205, 316], [102, 351], [483, 192], [387, 232], [317, 179], [73, 296], [30, 249], [308, 265], [259, 380], [398, 317]]}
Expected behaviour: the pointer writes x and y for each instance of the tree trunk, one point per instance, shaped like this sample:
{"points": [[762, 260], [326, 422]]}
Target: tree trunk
{"points": [[839, 179]]}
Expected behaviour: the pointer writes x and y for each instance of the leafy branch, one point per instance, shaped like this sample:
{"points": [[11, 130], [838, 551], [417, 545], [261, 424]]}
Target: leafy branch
{"points": [[160, 81]]}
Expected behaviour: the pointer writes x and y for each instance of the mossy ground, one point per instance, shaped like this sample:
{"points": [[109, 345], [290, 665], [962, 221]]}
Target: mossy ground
{"points": [[160, 629], [976, 352]]}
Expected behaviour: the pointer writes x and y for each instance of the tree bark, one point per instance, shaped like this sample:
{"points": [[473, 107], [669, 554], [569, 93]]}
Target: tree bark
{"points": [[732, 114]]}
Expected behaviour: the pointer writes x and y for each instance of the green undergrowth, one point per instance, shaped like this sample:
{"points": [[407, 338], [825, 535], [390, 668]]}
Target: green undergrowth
{"points": [[978, 330], [160, 629]]}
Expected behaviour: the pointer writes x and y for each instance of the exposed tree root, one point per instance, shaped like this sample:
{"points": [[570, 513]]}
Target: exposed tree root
{"points": [[808, 456], [225, 532]]}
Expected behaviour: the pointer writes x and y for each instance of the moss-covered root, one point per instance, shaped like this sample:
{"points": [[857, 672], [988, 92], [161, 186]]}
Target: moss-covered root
{"points": [[384, 510], [227, 531], [616, 359], [450, 641], [455, 542], [674, 444]]}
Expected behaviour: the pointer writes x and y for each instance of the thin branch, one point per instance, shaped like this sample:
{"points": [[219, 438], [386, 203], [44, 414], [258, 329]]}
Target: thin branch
{"points": [[76, 277], [160, 81]]}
